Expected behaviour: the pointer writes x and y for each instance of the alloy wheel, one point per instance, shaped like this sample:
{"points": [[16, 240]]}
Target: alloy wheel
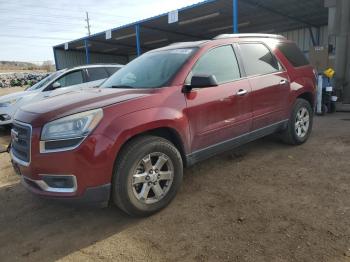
{"points": [[302, 122], [152, 177]]}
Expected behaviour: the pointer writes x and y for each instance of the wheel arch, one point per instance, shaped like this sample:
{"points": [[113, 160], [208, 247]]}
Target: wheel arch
{"points": [[308, 96], [166, 132]]}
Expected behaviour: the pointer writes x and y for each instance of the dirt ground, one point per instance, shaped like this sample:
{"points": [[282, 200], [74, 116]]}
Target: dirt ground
{"points": [[265, 201], [5, 91]]}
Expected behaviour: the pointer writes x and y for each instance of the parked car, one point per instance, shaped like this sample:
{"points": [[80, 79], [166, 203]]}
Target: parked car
{"points": [[129, 140], [56, 83]]}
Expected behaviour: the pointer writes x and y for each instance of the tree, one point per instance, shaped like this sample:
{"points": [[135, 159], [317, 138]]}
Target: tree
{"points": [[48, 66]]}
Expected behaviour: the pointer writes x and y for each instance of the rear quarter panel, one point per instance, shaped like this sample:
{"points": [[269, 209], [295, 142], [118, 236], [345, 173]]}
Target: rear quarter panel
{"points": [[302, 80]]}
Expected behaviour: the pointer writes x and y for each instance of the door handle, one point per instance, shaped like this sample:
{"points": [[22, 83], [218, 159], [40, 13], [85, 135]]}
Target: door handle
{"points": [[242, 92], [283, 82]]}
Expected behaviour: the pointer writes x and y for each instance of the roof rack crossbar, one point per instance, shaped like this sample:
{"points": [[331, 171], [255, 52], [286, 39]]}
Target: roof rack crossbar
{"points": [[249, 36]]}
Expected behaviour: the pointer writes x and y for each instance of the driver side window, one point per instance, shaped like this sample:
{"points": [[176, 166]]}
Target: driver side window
{"points": [[220, 62], [73, 78]]}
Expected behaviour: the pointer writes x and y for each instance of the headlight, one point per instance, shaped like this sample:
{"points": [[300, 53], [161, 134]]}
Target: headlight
{"points": [[71, 127], [9, 102]]}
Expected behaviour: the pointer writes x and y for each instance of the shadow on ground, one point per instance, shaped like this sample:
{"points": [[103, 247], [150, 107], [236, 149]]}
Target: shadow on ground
{"points": [[43, 230]]}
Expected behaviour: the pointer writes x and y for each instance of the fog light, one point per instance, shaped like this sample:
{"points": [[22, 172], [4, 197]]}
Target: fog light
{"points": [[59, 181]]}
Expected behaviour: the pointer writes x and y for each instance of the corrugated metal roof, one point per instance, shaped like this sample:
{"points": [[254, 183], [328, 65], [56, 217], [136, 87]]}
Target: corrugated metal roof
{"points": [[206, 20]]}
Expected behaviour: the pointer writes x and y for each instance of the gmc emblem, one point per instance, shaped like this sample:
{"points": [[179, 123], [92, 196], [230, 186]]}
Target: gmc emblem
{"points": [[14, 135]]}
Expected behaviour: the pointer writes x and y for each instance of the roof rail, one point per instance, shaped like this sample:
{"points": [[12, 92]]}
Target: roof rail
{"points": [[249, 36]]}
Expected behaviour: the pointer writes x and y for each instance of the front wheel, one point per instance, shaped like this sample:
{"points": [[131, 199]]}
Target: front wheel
{"points": [[299, 124], [147, 175]]}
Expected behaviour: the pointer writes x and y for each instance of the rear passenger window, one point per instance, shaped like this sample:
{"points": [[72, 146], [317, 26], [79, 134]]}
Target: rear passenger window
{"points": [[293, 54], [112, 70], [97, 73], [70, 79], [258, 59], [220, 62]]}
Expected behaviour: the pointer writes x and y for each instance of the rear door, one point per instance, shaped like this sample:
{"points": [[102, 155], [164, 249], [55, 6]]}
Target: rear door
{"points": [[220, 113], [269, 82], [95, 76]]}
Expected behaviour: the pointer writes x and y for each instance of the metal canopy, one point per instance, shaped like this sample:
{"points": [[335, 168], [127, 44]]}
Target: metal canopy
{"points": [[204, 20]]}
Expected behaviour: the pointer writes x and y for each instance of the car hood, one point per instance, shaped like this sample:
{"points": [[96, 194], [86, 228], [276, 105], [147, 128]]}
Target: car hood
{"points": [[77, 101], [64, 90]]}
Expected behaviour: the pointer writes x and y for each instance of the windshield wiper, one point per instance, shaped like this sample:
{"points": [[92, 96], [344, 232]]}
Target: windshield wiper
{"points": [[122, 86]]}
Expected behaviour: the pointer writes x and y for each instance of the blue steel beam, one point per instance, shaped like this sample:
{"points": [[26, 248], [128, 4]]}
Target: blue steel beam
{"points": [[138, 45], [235, 16], [87, 53]]}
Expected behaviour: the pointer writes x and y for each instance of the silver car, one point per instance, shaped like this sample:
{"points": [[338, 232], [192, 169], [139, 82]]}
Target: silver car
{"points": [[58, 82]]}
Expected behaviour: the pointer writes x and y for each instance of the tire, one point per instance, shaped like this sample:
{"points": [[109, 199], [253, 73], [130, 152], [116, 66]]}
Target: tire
{"points": [[324, 109], [291, 135], [137, 162]]}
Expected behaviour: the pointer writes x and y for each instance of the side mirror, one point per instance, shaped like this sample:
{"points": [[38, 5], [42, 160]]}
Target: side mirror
{"points": [[56, 85], [200, 81]]}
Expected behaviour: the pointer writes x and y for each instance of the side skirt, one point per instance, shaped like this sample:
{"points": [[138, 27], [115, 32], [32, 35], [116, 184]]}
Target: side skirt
{"points": [[227, 145]]}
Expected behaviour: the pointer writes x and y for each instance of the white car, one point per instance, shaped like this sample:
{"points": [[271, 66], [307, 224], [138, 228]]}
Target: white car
{"points": [[58, 82]]}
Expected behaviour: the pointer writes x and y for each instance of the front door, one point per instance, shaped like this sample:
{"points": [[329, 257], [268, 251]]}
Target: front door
{"points": [[73, 80], [220, 113]]}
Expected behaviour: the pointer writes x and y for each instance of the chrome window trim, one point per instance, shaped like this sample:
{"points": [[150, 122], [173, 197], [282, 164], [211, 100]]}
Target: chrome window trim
{"points": [[16, 159]]}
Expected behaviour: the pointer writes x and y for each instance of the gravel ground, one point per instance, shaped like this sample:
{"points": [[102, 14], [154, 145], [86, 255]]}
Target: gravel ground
{"points": [[265, 201]]}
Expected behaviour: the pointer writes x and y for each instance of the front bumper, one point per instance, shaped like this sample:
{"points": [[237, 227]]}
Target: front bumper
{"points": [[98, 195], [91, 165]]}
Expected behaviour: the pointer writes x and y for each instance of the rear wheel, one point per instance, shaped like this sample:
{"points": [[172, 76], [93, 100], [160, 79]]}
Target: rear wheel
{"points": [[299, 124], [147, 176]]}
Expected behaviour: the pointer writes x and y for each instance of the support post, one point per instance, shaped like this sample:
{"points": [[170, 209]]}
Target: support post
{"points": [[339, 28], [55, 58], [342, 56], [138, 46], [235, 16], [87, 54], [312, 36], [318, 36]]}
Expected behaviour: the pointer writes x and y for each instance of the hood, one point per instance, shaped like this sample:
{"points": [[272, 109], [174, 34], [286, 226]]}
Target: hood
{"points": [[64, 90], [77, 101]]}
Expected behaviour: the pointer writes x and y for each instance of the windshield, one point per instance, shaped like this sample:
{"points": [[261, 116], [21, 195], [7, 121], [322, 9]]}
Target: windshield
{"points": [[151, 70], [45, 81]]}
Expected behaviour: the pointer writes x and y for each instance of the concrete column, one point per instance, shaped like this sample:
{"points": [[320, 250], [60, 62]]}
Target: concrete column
{"points": [[339, 26]]}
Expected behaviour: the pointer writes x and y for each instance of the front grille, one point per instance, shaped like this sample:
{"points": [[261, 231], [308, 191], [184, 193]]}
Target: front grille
{"points": [[20, 141]]}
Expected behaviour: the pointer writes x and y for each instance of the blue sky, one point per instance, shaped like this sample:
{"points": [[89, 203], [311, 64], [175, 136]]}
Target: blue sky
{"points": [[29, 28]]}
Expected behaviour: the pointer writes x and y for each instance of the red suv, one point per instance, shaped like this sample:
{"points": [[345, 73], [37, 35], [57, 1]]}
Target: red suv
{"points": [[129, 140]]}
